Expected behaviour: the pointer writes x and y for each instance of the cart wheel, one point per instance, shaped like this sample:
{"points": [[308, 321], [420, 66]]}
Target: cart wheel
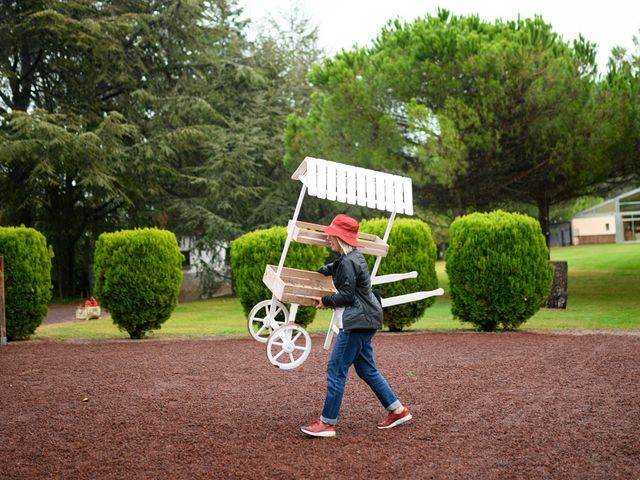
{"points": [[261, 320], [288, 346]]}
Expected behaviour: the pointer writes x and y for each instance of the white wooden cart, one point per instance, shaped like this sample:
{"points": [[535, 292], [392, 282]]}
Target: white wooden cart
{"points": [[270, 322]]}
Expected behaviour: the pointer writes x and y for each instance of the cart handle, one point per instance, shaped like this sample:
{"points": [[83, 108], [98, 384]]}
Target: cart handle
{"points": [[393, 277]]}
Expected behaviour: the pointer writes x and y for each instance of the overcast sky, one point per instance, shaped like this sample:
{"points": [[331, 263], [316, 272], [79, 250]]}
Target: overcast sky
{"points": [[343, 23]]}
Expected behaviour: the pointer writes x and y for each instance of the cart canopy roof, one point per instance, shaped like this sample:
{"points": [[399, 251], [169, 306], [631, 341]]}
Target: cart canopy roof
{"points": [[356, 186]]}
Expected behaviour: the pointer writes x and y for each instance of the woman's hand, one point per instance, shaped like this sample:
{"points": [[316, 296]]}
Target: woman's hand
{"points": [[319, 304]]}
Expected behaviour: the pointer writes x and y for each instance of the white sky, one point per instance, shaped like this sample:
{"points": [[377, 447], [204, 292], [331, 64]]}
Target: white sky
{"points": [[343, 23]]}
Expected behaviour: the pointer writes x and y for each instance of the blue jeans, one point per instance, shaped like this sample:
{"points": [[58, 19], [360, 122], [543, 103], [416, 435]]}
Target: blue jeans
{"points": [[354, 348]]}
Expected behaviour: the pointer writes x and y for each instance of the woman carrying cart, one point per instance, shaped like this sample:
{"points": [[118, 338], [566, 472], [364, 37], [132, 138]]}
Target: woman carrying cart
{"points": [[360, 315]]}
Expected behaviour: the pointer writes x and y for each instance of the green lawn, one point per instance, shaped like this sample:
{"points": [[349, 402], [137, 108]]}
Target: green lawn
{"points": [[604, 293]]}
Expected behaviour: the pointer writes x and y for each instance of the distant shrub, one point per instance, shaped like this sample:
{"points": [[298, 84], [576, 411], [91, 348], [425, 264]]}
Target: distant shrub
{"points": [[253, 251], [27, 273], [411, 247], [498, 269], [138, 275]]}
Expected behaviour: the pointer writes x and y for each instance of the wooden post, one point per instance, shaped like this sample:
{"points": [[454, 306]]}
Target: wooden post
{"points": [[3, 319]]}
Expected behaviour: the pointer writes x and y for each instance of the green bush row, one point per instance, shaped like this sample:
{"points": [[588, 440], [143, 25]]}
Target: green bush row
{"points": [[497, 265], [27, 273]]}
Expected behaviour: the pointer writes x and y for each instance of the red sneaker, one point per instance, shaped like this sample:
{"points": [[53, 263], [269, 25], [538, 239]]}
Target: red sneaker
{"points": [[395, 419], [319, 429]]}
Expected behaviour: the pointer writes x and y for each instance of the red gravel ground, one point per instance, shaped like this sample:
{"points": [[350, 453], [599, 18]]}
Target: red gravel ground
{"points": [[485, 406]]}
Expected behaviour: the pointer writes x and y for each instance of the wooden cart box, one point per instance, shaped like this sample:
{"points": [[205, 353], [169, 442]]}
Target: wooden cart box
{"points": [[312, 234], [297, 286]]}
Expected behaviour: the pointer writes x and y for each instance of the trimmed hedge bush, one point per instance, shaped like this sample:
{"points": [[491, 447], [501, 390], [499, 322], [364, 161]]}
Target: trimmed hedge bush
{"points": [[411, 247], [499, 273], [253, 251], [27, 273], [138, 275]]}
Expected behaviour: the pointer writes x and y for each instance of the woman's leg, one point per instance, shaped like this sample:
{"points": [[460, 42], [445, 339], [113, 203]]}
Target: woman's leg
{"points": [[345, 350], [366, 369]]}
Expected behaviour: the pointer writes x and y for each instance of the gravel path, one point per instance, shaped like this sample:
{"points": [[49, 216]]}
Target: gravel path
{"points": [[485, 406], [60, 313]]}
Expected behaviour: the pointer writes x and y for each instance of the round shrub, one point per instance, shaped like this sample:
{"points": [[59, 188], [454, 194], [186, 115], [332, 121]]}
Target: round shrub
{"points": [[253, 251], [498, 269], [411, 247], [138, 275], [27, 274]]}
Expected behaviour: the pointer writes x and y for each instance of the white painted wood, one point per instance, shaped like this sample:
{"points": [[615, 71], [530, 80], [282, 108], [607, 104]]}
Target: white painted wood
{"points": [[361, 182], [387, 232], [302, 168], [288, 346], [262, 319], [390, 194], [331, 180], [371, 191], [341, 182], [397, 193], [292, 313], [408, 196], [322, 179], [352, 187], [312, 177], [380, 191], [393, 277], [410, 297], [291, 228], [333, 330], [355, 185]]}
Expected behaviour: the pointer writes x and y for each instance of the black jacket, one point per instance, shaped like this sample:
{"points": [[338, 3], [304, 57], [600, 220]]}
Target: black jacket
{"points": [[351, 278]]}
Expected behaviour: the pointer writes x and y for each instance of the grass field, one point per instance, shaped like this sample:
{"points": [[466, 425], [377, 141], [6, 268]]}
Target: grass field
{"points": [[604, 294]]}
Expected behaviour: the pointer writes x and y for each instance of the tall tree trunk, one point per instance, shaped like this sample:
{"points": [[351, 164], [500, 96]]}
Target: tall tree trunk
{"points": [[458, 207], [559, 292], [543, 218], [65, 258]]}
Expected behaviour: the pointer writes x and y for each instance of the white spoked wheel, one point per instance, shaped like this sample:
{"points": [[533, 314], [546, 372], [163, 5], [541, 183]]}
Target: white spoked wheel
{"points": [[288, 346], [261, 319]]}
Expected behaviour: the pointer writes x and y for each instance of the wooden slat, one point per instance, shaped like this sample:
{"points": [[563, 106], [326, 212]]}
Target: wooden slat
{"points": [[312, 177], [312, 234], [331, 180], [318, 228], [298, 299], [322, 178], [389, 194], [371, 191], [341, 182], [273, 281], [361, 184], [410, 297], [380, 191], [392, 277], [397, 191], [352, 187], [301, 287], [408, 196]]}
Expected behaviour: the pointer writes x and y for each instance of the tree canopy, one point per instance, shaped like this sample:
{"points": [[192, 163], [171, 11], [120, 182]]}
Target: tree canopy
{"points": [[122, 114], [479, 114]]}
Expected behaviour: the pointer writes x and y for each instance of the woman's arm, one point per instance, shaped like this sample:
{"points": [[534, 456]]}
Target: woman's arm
{"points": [[344, 280]]}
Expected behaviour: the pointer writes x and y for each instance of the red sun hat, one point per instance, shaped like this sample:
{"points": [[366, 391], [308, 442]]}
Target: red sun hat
{"points": [[344, 227]]}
